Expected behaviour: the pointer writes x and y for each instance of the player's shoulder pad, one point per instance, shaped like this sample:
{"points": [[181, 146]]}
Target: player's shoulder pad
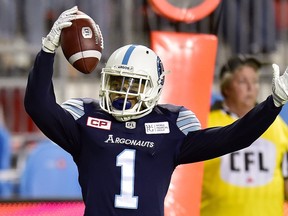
{"points": [[75, 106], [91, 105], [168, 109], [185, 119]]}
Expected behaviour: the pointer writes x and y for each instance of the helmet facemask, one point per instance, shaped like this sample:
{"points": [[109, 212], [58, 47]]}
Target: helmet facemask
{"points": [[125, 95]]}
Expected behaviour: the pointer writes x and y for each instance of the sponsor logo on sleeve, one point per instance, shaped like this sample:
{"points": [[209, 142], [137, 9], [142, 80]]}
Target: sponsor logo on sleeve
{"points": [[99, 123], [157, 128]]}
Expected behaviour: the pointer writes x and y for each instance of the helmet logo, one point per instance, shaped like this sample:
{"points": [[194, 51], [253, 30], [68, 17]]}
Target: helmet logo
{"points": [[123, 67], [160, 70]]}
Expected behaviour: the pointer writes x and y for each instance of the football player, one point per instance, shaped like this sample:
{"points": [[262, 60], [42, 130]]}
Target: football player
{"points": [[126, 145]]}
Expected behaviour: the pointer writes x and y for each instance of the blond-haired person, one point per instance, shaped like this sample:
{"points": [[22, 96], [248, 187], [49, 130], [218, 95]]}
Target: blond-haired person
{"points": [[249, 182]]}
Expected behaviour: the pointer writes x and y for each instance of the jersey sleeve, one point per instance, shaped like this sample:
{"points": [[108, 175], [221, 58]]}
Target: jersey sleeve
{"points": [[200, 145], [40, 103]]}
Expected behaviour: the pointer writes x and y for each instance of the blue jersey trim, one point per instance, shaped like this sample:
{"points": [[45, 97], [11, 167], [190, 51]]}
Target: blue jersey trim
{"points": [[128, 54], [75, 107], [187, 121]]}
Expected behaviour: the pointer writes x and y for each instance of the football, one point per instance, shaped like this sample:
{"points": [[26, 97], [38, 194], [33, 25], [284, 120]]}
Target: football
{"points": [[82, 43]]}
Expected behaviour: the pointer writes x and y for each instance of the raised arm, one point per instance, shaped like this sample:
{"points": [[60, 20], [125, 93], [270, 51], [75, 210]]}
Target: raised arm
{"points": [[40, 102], [213, 142]]}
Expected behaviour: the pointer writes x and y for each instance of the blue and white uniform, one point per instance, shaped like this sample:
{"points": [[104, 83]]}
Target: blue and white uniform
{"points": [[125, 167]]}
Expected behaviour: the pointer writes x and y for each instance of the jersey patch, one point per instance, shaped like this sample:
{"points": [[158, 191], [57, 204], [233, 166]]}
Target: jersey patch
{"points": [[99, 123], [130, 125], [157, 128]]}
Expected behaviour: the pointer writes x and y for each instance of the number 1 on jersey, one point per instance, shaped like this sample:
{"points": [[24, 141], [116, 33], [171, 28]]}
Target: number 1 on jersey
{"points": [[126, 160]]}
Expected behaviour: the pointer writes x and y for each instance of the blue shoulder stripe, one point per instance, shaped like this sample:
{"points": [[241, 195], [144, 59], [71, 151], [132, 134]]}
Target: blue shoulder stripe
{"points": [[187, 121], [75, 107]]}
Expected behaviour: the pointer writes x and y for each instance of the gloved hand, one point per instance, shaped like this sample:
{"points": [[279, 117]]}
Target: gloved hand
{"points": [[279, 86], [51, 41]]}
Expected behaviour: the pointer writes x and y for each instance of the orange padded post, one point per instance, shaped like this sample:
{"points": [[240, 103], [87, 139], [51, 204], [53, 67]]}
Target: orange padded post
{"points": [[191, 59], [184, 13]]}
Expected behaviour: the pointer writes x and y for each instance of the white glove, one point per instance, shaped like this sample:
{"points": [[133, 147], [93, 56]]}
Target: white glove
{"points": [[279, 86], [51, 41]]}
